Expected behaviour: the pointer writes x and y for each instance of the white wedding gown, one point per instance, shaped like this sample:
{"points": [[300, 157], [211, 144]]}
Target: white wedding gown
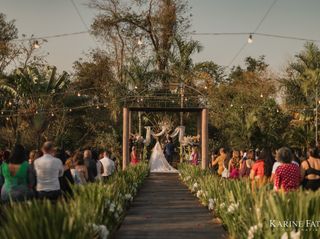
{"points": [[158, 162]]}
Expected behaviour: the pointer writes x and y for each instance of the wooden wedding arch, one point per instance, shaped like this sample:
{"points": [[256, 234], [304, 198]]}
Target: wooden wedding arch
{"points": [[184, 99]]}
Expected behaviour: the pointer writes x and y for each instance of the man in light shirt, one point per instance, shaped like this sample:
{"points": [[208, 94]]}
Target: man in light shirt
{"points": [[108, 165], [48, 170]]}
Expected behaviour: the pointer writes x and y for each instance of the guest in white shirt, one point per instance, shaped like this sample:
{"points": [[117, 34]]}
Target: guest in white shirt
{"points": [[108, 165], [48, 170]]}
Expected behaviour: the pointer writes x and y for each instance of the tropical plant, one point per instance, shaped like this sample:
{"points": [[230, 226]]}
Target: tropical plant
{"points": [[259, 213], [29, 93], [95, 210]]}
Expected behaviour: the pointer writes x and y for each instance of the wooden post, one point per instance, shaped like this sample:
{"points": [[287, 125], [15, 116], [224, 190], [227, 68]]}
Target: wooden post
{"points": [[125, 139], [198, 124], [130, 125], [204, 139]]}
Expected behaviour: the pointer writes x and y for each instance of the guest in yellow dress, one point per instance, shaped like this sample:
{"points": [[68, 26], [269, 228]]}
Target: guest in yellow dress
{"points": [[220, 160]]}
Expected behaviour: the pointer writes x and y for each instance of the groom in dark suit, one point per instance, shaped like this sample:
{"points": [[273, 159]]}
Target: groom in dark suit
{"points": [[169, 151]]}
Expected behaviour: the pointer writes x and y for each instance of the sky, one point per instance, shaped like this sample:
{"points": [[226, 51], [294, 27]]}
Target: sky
{"points": [[299, 18]]}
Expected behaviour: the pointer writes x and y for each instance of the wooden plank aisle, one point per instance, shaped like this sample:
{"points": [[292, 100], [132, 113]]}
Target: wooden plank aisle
{"points": [[165, 209]]}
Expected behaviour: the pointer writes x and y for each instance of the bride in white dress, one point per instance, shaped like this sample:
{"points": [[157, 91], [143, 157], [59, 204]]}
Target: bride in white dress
{"points": [[158, 162]]}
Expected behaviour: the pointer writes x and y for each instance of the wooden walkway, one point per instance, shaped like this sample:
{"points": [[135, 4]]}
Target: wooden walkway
{"points": [[165, 209]]}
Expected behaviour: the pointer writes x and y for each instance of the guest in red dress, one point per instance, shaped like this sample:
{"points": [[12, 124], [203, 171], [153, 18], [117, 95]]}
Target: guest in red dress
{"points": [[134, 157], [287, 176], [257, 171]]}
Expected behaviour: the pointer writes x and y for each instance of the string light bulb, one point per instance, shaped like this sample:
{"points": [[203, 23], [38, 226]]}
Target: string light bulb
{"points": [[250, 40], [78, 94], [52, 114], [36, 44], [261, 95], [98, 107], [136, 87], [140, 42]]}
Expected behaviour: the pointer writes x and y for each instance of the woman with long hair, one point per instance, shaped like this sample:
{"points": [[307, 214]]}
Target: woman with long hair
{"points": [[234, 164], [310, 170], [18, 176]]}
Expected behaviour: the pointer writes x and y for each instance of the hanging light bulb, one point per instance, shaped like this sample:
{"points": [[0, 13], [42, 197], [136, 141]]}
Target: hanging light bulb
{"points": [[78, 94], [140, 42], [98, 107], [36, 44], [70, 110], [250, 40], [136, 87], [206, 87], [52, 114], [36, 112], [277, 110], [9, 103], [2, 112], [261, 95], [7, 118], [231, 105]]}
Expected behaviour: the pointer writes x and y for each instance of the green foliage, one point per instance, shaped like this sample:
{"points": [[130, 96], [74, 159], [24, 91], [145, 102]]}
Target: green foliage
{"points": [[92, 204], [247, 213]]}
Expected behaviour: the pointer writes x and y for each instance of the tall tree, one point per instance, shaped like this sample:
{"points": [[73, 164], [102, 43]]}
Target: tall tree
{"points": [[302, 88], [8, 32], [128, 25]]}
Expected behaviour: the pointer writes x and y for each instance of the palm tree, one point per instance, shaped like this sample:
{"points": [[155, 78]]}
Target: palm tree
{"points": [[302, 84], [30, 92]]}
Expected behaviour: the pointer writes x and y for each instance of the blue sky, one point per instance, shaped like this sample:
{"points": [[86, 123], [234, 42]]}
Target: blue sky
{"points": [[299, 18]]}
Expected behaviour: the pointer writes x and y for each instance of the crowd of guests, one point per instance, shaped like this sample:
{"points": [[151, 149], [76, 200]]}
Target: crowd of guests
{"points": [[283, 169], [49, 173]]}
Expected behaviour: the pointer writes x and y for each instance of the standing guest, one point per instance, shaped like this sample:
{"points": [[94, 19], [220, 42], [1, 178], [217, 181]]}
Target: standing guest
{"points": [[310, 170], [214, 155], [114, 159], [134, 157], [287, 176], [194, 156], [108, 165], [4, 156], [220, 160], [18, 177], [257, 171], [246, 164], [234, 164], [268, 163], [48, 170], [274, 168], [95, 157], [81, 168], [169, 150], [91, 165], [33, 155], [66, 180]]}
